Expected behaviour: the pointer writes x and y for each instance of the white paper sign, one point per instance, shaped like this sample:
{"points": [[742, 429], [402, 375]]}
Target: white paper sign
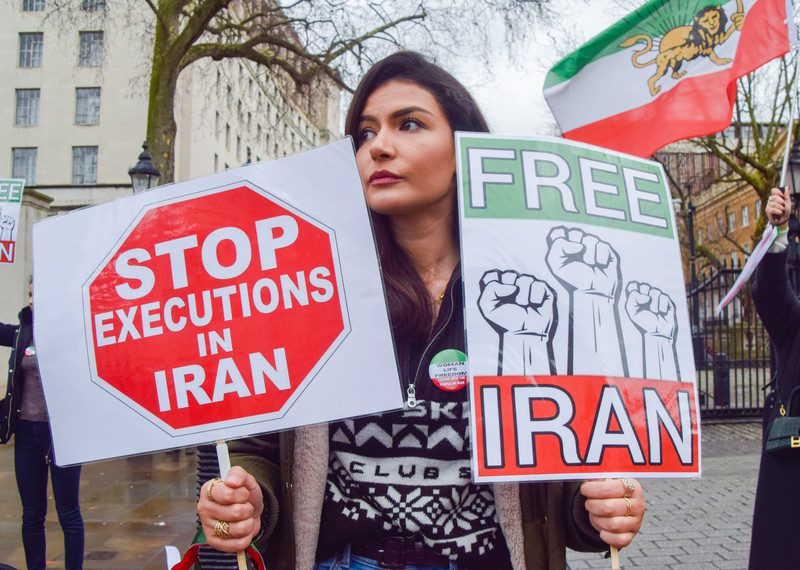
{"points": [[578, 336], [10, 204], [235, 304]]}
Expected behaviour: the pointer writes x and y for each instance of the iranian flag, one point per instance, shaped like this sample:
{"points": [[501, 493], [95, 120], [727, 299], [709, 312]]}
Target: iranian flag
{"points": [[665, 72]]}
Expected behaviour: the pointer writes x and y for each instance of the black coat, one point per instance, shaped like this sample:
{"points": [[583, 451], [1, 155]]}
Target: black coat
{"points": [[18, 337], [776, 517]]}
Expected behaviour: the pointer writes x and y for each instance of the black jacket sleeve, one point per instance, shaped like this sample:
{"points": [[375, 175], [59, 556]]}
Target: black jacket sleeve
{"points": [[7, 333], [774, 298]]}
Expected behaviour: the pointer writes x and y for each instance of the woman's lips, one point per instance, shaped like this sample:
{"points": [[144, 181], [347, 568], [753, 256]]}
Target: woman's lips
{"points": [[383, 177]]}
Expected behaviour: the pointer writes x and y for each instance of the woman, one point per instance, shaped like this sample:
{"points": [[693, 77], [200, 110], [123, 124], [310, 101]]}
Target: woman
{"points": [[377, 489], [776, 516], [25, 415]]}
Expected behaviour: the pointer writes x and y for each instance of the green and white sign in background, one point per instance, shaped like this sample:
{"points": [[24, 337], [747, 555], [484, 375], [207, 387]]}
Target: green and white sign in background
{"points": [[10, 202], [571, 261]]}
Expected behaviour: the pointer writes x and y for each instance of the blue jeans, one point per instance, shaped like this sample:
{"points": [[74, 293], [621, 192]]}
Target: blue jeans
{"points": [[32, 458], [347, 561]]}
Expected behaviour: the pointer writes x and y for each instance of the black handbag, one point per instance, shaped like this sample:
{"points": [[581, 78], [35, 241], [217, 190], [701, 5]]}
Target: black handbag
{"points": [[783, 439]]}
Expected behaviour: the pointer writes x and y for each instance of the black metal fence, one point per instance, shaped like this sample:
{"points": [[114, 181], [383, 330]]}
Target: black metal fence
{"points": [[731, 350]]}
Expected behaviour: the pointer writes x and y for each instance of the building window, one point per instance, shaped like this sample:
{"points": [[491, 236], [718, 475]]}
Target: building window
{"points": [[227, 136], [249, 122], [700, 236], [217, 124], [258, 133], [238, 148], [32, 5], [91, 49], [93, 5], [745, 216], [758, 207], [23, 164], [87, 105], [731, 221], [734, 260], [229, 98], [216, 162], [27, 113], [30, 49], [748, 250], [84, 165]]}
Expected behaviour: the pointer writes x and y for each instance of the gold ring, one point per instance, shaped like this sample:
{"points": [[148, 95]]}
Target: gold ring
{"points": [[629, 488], [629, 510], [221, 530], [214, 481]]}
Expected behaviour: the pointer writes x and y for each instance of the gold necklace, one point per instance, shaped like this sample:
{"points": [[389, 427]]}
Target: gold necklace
{"points": [[441, 295]]}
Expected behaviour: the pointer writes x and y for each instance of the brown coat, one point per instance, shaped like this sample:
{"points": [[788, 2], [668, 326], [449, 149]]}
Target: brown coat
{"points": [[537, 519]]}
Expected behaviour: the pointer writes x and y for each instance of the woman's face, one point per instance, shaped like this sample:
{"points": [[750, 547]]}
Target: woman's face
{"points": [[406, 156]]}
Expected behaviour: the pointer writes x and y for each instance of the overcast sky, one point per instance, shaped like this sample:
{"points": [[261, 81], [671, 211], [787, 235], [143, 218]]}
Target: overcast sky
{"points": [[513, 101]]}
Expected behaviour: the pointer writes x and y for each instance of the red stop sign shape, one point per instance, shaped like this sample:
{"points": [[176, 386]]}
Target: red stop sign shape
{"points": [[214, 308]]}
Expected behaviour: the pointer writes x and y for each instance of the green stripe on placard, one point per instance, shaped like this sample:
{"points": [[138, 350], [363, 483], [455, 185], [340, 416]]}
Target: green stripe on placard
{"points": [[11, 190], [654, 19], [642, 204]]}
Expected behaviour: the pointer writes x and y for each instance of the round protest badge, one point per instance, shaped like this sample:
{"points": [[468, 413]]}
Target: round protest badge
{"points": [[448, 370], [30, 351]]}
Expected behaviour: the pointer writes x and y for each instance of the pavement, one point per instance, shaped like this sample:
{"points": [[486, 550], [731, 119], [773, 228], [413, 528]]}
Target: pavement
{"points": [[133, 507], [702, 524]]}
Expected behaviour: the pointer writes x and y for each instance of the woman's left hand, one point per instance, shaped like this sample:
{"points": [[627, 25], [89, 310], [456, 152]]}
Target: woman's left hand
{"points": [[616, 509]]}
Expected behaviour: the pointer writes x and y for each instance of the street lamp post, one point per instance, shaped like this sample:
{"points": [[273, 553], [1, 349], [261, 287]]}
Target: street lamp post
{"points": [[697, 341], [144, 174], [688, 215]]}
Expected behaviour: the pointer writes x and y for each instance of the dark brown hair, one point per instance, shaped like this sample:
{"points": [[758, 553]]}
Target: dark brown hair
{"points": [[409, 301]]}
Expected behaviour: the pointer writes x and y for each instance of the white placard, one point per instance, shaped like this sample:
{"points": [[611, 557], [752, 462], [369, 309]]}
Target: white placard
{"points": [[239, 303], [578, 336]]}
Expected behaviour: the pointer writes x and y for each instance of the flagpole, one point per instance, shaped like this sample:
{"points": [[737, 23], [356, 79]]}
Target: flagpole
{"points": [[792, 107]]}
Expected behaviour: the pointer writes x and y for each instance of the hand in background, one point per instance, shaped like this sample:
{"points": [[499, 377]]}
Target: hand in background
{"points": [[779, 206]]}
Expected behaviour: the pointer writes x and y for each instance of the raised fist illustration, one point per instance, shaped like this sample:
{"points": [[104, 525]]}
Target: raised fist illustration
{"points": [[583, 263], [517, 303], [651, 310], [7, 224]]}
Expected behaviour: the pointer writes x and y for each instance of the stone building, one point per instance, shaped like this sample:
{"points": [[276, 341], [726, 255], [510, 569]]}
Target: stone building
{"points": [[73, 113]]}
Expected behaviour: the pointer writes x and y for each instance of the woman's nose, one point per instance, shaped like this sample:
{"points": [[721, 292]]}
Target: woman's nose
{"points": [[381, 146]]}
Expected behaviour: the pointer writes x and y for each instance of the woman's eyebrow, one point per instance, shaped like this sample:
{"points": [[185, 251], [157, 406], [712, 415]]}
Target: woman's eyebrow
{"points": [[399, 113]]}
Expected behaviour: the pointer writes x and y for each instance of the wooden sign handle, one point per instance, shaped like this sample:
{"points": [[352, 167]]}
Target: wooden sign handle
{"points": [[224, 460]]}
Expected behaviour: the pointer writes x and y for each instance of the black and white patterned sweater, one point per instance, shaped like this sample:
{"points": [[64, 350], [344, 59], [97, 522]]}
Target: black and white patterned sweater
{"points": [[408, 473]]}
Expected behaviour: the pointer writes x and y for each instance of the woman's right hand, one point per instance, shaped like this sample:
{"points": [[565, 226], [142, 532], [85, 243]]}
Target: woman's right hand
{"points": [[779, 206], [236, 500]]}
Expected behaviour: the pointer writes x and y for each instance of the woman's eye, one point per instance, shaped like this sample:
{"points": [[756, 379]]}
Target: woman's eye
{"points": [[410, 124], [365, 134]]}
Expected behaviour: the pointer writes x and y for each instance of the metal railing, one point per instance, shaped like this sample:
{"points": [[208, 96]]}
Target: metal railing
{"points": [[732, 350]]}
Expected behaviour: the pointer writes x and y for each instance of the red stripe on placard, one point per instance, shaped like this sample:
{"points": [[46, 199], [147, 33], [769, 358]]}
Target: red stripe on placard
{"points": [[554, 427], [696, 106]]}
